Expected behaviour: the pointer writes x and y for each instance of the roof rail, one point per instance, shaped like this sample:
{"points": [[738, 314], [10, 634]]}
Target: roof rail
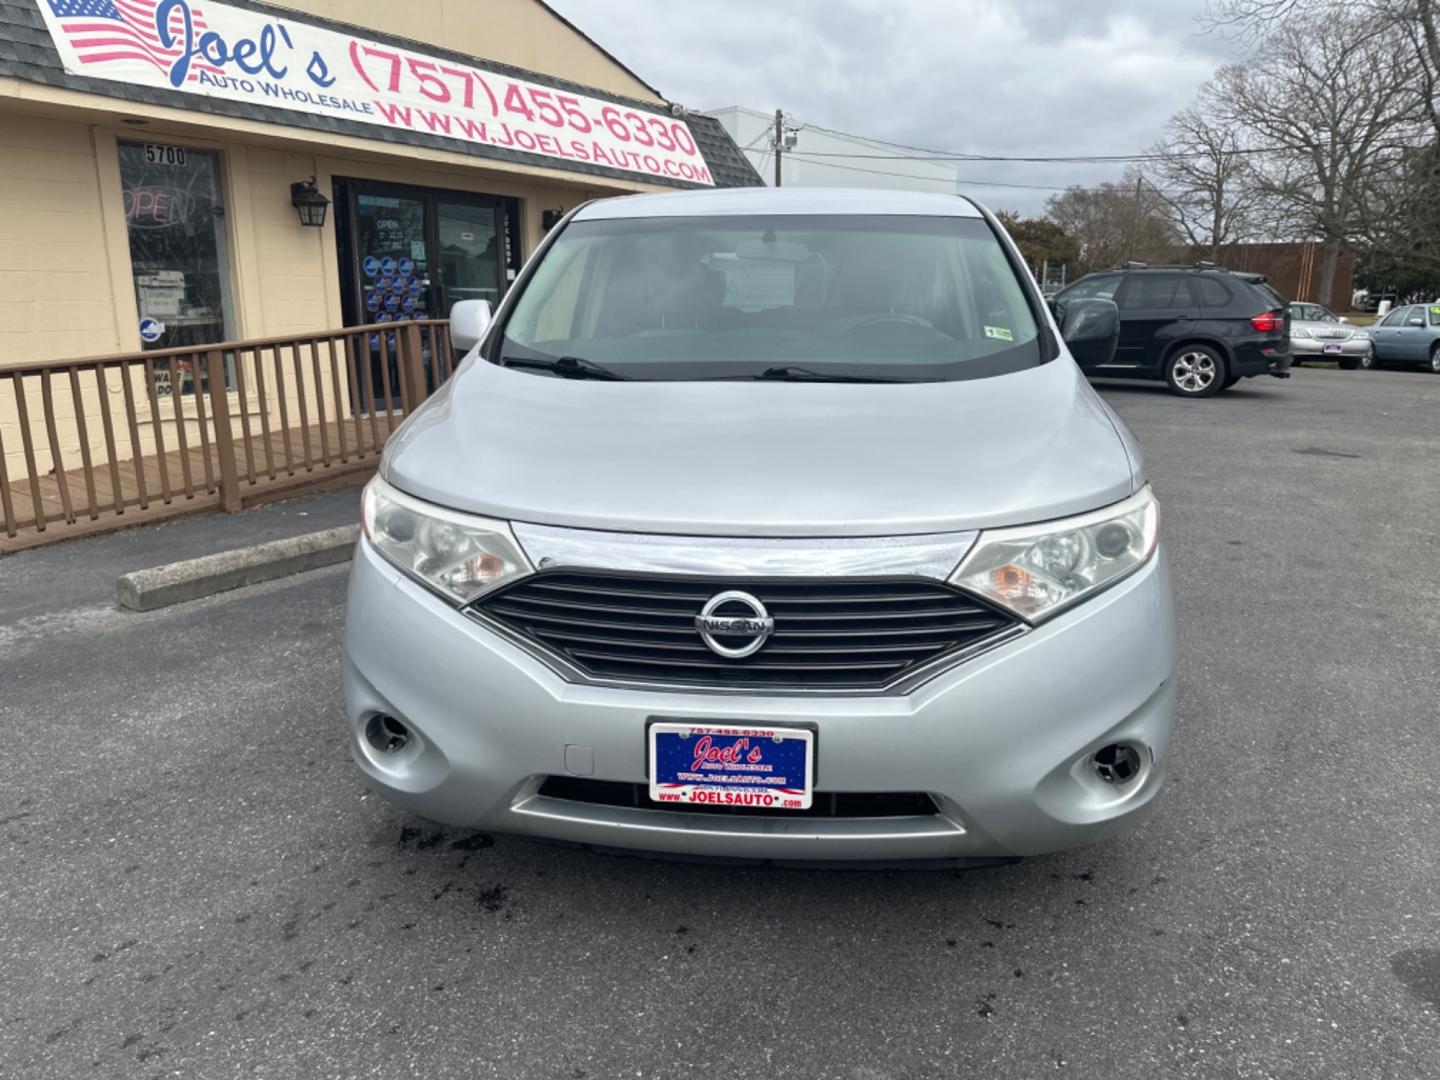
{"points": [[1173, 266]]}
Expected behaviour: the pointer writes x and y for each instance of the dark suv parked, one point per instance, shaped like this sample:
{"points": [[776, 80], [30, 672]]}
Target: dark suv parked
{"points": [[1200, 328]]}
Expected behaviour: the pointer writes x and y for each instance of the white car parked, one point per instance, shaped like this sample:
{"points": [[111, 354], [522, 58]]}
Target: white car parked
{"points": [[1316, 334]]}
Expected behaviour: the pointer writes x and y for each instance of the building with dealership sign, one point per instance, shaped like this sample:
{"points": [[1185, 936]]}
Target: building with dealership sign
{"points": [[178, 172]]}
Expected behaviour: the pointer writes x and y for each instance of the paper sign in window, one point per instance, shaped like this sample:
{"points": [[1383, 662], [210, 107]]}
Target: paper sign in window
{"points": [[755, 285]]}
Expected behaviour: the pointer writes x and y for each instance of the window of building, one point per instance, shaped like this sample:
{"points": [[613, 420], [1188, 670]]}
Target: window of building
{"points": [[175, 217]]}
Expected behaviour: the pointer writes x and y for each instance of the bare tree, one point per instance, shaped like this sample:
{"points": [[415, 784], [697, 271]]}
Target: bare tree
{"points": [[1400, 217], [1338, 112], [1417, 20], [1113, 223], [1262, 15], [1420, 21], [1204, 178]]}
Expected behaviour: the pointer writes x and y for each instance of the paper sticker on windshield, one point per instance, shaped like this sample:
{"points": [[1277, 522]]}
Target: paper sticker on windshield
{"points": [[999, 333], [1435, 310], [752, 286]]}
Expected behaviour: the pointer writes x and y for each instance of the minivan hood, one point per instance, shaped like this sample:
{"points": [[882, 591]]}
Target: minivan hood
{"points": [[764, 458]]}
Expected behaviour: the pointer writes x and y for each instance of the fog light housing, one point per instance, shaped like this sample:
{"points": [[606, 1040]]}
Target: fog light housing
{"points": [[385, 734], [1118, 763]]}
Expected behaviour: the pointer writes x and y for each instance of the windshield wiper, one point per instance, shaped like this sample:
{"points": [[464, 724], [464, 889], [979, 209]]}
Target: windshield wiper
{"points": [[790, 373], [569, 367]]}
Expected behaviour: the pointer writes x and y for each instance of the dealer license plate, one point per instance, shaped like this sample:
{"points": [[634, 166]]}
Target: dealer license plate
{"points": [[757, 768], [1333, 348]]}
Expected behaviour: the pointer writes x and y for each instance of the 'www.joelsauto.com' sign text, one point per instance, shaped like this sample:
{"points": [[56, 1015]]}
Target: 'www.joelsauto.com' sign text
{"points": [[229, 52]]}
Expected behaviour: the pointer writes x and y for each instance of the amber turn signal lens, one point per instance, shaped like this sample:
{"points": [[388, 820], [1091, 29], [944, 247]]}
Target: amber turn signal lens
{"points": [[1010, 581]]}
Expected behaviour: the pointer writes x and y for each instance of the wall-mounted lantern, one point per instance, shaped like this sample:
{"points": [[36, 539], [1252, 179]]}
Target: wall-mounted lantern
{"points": [[550, 218], [309, 203]]}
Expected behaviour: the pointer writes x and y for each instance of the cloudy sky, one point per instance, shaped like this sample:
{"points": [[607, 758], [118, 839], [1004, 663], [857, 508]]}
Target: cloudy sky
{"points": [[1029, 77]]}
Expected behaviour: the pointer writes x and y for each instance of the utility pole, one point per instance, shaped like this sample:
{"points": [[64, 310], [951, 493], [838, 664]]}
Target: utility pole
{"points": [[1135, 219], [779, 138]]}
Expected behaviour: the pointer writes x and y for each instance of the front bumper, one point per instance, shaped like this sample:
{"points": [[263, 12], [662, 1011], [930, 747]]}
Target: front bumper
{"points": [[1314, 348], [1002, 743]]}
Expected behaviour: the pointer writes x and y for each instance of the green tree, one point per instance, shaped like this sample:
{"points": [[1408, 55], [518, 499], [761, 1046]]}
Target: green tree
{"points": [[1040, 241]]}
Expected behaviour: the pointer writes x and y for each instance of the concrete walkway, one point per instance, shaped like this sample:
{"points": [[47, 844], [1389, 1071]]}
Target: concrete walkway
{"points": [[49, 580]]}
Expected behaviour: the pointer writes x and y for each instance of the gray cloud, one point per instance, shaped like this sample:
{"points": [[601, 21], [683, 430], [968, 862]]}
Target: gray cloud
{"points": [[980, 76]]}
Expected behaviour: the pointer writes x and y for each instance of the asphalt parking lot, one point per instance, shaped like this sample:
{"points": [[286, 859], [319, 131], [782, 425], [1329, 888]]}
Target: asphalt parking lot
{"points": [[196, 884]]}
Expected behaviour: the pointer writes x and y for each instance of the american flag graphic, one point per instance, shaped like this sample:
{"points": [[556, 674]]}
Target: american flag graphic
{"points": [[104, 31]]}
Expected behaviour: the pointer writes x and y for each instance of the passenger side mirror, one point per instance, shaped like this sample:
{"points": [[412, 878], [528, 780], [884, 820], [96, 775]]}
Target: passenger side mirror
{"points": [[469, 319], [1090, 329]]}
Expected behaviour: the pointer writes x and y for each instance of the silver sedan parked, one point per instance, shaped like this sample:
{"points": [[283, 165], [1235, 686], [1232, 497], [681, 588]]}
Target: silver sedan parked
{"points": [[1317, 334], [775, 525]]}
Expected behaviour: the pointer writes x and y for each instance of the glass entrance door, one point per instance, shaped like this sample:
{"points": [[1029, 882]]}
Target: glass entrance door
{"points": [[393, 252], [469, 245], [412, 253]]}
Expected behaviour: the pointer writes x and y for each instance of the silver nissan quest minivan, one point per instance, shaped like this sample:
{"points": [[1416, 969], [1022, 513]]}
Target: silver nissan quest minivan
{"points": [[772, 525]]}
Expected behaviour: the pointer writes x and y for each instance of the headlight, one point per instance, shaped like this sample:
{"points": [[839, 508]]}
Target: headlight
{"points": [[1299, 331], [1361, 335], [1038, 571], [457, 555]]}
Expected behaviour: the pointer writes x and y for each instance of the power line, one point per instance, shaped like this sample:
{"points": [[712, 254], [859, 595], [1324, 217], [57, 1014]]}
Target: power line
{"points": [[763, 132], [798, 155], [932, 153], [760, 164], [1113, 159]]}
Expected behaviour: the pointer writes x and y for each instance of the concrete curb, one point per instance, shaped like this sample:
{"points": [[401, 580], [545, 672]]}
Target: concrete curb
{"points": [[175, 583]]}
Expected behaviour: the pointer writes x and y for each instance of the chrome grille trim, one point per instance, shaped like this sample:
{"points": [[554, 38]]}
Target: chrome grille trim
{"points": [[928, 555], [850, 636]]}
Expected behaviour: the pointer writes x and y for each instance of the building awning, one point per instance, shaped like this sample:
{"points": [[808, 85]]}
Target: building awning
{"points": [[255, 62]]}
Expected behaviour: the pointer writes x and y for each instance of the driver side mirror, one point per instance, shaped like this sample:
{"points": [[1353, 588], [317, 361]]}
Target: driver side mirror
{"points": [[1090, 329], [469, 319], [1415, 321], [1341, 318]]}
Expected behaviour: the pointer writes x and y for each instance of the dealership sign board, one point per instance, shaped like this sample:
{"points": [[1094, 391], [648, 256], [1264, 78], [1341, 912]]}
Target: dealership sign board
{"points": [[255, 57]]}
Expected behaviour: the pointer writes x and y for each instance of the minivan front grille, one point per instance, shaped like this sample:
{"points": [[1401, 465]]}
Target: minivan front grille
{"points": [[829, 633]]}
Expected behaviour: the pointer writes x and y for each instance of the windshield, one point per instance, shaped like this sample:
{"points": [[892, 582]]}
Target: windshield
{"points": [[862, 297]]}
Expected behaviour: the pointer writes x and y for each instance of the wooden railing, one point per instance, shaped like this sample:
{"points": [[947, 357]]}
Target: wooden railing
{"points": [[103, 442]]}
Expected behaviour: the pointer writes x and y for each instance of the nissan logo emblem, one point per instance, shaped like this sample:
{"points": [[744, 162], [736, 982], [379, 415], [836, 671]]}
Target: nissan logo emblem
{"points": [[757, 625]]}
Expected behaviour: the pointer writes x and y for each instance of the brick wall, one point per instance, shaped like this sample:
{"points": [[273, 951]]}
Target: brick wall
{"points": [[1293, 270]]}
